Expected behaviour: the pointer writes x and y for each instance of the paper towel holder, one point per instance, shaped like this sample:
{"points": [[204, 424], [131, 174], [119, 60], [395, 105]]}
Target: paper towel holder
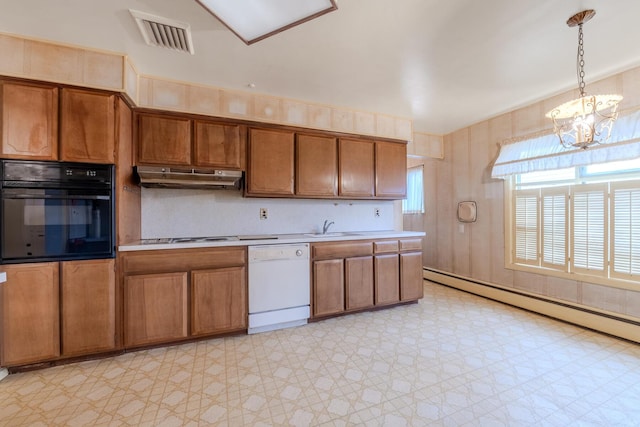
{"points": [[467, 211]]}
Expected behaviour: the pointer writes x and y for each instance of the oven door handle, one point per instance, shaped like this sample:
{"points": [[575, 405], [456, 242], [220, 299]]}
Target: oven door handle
{"points": [[55, 197]]}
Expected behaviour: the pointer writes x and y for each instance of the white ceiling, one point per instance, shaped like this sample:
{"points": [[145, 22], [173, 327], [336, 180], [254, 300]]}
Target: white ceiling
{"points": [[445, 64]]}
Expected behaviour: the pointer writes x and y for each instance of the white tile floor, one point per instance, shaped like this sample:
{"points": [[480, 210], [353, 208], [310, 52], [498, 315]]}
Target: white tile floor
{"points": [[454, 359]]}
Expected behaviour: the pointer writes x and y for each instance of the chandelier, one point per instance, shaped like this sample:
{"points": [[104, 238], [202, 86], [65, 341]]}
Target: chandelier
{"points": [[589, 119]]}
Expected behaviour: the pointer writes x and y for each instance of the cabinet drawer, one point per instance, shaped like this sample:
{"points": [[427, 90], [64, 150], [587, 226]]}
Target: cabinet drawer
{"points": [[181, 259], [341, 250], [411, 245], [385, 247]]}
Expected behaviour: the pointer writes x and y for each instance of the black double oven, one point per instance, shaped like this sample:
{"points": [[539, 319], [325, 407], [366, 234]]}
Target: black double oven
{"points": [[53, 211]]}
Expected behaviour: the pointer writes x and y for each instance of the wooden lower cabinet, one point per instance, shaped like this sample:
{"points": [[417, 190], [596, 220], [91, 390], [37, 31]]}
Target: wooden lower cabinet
{"points": [[328, 287], [411, 281], [155, 308], [175, 294], [359, 275], [88, 306], [387, 279], [30, 313], [358, 282], [218, 300]]}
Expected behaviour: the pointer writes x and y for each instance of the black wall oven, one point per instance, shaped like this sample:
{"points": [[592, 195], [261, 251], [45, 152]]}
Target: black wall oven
{"points": [[54, 211]]}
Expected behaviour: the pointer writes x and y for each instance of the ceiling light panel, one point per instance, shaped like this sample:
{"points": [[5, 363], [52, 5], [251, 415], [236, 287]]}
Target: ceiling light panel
{"points": [[254, 20]]}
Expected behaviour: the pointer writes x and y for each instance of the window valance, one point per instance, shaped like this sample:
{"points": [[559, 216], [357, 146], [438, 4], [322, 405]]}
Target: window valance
{"points": [[546, 153]]}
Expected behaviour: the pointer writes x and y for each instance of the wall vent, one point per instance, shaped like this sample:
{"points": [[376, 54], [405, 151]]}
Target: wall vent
{"points": [[163, 32]]}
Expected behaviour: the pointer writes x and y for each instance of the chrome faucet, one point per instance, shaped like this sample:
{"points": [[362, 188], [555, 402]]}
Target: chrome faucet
{"points": [[326, 226]]}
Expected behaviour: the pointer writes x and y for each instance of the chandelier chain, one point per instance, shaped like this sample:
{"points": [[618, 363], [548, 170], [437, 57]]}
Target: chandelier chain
{"points": [[581, 84]]}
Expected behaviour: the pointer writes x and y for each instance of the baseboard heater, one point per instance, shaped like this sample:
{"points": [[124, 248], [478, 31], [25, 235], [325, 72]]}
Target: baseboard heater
{"points": [[581, 316]]}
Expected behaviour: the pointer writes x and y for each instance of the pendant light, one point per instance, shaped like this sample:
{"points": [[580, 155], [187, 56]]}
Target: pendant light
{"points": [[588, 120]]}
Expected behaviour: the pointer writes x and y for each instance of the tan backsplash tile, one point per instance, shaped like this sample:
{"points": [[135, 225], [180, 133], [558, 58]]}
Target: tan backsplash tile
{"points": [[365, 123], [385, 125], [342, 120], [319, 116], [53, 62], [267, 108], [12, 58], [236, 104], [403, 129], [169, 95], [204, 100], [103, 70], [294, 112]]}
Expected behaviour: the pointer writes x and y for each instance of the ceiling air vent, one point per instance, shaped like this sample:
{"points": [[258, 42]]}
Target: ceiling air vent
{"points": [[163, 32]]}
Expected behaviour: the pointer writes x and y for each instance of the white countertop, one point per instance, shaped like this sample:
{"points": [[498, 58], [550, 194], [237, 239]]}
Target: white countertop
{"points": [[274, 239]]}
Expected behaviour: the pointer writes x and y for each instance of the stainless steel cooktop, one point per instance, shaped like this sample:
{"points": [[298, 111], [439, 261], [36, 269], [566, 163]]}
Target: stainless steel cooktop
{"points": [[170, 240]]}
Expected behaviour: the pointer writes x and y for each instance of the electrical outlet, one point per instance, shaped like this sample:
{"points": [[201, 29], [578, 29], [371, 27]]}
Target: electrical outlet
{"points": [[376, 212], [263, 213]]}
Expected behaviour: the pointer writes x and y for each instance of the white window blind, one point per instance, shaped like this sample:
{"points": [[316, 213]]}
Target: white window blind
{"points": [[625, 242], [414, 203], [554, 227], [589, 235], [526, 227], [546, 153]]}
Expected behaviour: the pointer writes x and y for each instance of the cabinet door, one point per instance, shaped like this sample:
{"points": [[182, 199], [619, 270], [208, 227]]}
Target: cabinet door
{"points": [[387, 279], [328, 287], [155, 308], [87, 126], [356, 168], [30, 319], [29, 122], [88, 306], [391, 170], [411, 286], [219, 145], [127, 192], [164, 140], [358, 282], [316, 166], [218, 300], [270, 169]]}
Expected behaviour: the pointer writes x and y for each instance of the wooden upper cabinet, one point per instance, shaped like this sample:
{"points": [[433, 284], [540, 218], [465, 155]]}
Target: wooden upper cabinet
{"points": [[87, 126], [164, 140], [29, 121], [316, 166], [270, 171], [29, 313], [356, 168], [88, 306], [391, 170], [219, 145]]}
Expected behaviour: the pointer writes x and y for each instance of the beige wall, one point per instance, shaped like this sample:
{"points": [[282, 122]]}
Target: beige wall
{"points": [[477, 250]]}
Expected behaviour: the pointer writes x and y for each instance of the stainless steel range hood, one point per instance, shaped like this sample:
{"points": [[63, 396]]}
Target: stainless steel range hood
{"points": [[185, 177]]}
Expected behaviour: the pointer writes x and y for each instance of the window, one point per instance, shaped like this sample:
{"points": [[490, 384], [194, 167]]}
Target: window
{"points": [[582, 220], [414, 203]]}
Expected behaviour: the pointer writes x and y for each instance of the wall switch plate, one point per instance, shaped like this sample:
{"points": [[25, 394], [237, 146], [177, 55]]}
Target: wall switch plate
{"points": [[376, 212], [263, 213]]}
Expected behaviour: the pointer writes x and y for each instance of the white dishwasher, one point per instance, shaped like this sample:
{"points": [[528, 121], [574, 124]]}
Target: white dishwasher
{"points": [[279, 286]]}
